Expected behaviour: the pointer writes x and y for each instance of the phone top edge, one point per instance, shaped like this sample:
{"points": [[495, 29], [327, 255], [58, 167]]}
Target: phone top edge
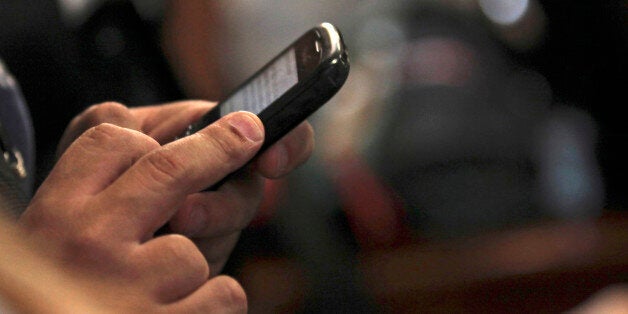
{"points": [[335, 39], [336, 48]]}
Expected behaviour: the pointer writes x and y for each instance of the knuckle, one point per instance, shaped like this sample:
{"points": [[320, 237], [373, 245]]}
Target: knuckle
{"points": [[138, 144], [105, 112], [102, 133], [39, 218], [104, 136], [87, 246], [165, 166], [231, 147], [231, 293], [76, 121], [182, 250], [88, 238], [178, 246]]}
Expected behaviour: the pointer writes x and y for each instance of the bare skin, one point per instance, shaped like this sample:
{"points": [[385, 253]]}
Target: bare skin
{"points": [[120, 177]]}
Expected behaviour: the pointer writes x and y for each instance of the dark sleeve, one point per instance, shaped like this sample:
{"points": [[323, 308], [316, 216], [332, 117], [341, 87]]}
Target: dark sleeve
{"points": [[16, 146]]}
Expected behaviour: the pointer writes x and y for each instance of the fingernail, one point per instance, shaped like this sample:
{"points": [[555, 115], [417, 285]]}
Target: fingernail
{"points": [[197, 220], [247, 126]]}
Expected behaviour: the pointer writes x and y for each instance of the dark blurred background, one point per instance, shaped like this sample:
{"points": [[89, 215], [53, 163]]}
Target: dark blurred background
{"points": [[473, 162]]}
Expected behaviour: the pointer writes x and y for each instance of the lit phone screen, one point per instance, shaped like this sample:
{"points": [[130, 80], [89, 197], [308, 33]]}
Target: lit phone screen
{"points": [[265, 88]]}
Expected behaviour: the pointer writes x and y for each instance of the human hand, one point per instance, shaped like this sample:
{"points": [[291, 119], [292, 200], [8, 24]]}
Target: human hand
{"points": [[213, 219], [35, 282], [114, 187]]}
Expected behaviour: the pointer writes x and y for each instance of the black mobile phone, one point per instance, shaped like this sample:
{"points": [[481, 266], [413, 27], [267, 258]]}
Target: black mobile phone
{"points": [[288, 89]]}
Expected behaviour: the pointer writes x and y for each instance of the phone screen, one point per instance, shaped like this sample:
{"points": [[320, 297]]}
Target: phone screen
{"points": [[261, 91]]}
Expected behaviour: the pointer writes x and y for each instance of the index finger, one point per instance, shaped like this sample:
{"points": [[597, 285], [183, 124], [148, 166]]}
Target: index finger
{"points": [[153, 188]]}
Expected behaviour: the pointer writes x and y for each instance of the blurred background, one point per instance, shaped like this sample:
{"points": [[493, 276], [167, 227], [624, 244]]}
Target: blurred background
{"points": [[473, 162]]}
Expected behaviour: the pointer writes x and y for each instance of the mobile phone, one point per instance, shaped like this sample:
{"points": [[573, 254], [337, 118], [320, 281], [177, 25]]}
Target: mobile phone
{"points": [[289, 88]]}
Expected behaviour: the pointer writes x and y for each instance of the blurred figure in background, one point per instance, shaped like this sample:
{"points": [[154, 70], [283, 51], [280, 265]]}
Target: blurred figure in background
{"points": [[450, 126]]}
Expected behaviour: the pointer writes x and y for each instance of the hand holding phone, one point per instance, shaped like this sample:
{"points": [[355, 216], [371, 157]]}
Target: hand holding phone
{"points": [[288, 89]]}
